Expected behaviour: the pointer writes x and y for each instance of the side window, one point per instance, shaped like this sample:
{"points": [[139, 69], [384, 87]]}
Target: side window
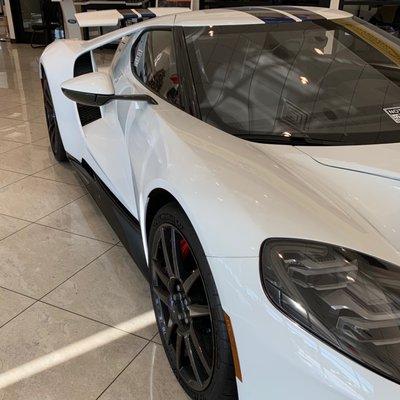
{"points": [[154, 64]]}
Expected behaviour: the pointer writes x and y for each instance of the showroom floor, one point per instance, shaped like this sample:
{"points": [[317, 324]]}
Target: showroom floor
{"points": [[75, 313]]}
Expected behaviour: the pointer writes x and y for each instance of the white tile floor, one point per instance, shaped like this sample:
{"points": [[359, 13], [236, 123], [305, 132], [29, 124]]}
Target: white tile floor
{"points": [[76, 320]]}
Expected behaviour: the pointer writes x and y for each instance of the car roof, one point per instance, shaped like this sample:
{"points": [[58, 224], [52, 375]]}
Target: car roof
{"points": [[257, 15], [224, 16]]}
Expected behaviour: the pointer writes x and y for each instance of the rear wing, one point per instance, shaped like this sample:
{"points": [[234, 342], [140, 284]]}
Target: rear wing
{"points": [[126, 16]]}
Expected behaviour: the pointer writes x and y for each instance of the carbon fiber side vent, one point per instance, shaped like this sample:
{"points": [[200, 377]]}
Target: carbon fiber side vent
{"points": [[87, 114]]}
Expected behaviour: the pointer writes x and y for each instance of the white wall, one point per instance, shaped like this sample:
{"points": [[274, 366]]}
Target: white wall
{"points": [[9, 19], [335, 4]]}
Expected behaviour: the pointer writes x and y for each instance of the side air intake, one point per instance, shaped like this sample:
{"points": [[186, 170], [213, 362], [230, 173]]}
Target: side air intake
{"points": [[87, 114]]}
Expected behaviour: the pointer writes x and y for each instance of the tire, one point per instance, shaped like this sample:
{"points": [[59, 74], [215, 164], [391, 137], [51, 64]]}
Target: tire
{"points": [[189, 315], [54, 133]]}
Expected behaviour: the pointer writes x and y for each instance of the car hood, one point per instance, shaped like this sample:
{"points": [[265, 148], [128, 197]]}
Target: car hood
{"points": [[381, 160], [360, 181]]}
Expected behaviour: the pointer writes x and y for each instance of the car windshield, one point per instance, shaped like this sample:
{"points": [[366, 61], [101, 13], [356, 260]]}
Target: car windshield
{"points": [[316, 82]]}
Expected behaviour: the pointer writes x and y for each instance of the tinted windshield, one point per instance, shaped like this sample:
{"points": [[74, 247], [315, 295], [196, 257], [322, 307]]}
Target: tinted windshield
{"points": [[317, 82]]}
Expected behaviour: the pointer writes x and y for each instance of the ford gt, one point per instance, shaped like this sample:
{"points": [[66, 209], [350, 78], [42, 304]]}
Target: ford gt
{"points": [[249, 161]]}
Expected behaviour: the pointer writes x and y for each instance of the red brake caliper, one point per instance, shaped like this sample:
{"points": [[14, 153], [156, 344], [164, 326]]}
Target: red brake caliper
{"points": [[185, 249]]}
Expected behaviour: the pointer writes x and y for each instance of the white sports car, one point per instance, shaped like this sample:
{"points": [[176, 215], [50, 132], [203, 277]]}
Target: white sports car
{"points": [[249, 160]]}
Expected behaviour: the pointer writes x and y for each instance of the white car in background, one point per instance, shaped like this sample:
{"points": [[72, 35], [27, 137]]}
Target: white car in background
{"points": [[249, 160]]}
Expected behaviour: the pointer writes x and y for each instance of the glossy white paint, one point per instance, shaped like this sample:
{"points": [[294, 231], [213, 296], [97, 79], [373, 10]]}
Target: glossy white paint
{"points": [[382, 160], [95, 82], [279, 359], [237, 194], [113, 17], [216, 17], [328, 13], [98, 18]]}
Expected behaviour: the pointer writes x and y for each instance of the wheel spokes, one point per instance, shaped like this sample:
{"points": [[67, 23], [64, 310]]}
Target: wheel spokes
{"points": [[178, 350], [199, 350], [170, 330], [187, 285], [199, 310], [164, 278], [175, 263], [165, 253], [189, 350], [181, 305], [162, 294]]}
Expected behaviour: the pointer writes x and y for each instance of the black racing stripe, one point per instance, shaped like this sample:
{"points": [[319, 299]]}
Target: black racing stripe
{"points": [[303, 14], [128, 13], [145, 13], [268, 16]]}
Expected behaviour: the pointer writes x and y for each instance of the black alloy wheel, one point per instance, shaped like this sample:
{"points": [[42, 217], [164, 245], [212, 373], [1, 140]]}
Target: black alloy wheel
{"points": [[188, 313], [54, 133]]}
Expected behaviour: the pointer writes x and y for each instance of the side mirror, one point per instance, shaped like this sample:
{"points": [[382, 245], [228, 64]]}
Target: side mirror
{"points": [[96, 89]]}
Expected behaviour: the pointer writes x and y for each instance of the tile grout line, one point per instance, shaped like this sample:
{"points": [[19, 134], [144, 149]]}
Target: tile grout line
{"points": [[20, 179], [76, 272], [72, 233], [19, 293], [33, 222], [22, 173], [19, 218], [39, 177], [17, 315], [123, 370], [54, 180], [23, 121], [52, 227], [37, 222], [34, 174], [93, 319], [14, 148], [22, 143], [40, 298], [30, 223], [18, 123]]}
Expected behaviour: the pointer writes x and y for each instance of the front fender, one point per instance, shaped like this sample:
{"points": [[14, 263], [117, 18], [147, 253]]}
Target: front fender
{"points": [[237, 195]]}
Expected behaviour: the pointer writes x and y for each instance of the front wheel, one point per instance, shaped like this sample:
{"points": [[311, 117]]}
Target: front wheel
{"points": [[189, 315], [54, 133]]}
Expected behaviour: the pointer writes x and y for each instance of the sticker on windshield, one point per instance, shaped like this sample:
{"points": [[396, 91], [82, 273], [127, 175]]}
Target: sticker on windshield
{"points": [[394, 113]]}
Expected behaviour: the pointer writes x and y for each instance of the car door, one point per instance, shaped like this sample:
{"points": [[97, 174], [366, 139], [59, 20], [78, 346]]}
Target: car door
{"points": [[106, 150], [148, 67]]}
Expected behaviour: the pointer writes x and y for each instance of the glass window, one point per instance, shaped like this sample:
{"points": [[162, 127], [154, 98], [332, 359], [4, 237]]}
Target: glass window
{"points": [[154, 63], [318, 82], [378, 12]]}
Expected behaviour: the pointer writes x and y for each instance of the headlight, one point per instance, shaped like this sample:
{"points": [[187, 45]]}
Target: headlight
{"points": [[348, 299]]}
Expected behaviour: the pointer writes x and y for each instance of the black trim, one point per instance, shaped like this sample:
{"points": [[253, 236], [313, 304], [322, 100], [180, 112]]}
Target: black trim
{"points": [[87, 114], [98, 100], [189, 95], [145, 13], [303, 14], [122, 221], [271, 15], [268, 16], [127, 13]]}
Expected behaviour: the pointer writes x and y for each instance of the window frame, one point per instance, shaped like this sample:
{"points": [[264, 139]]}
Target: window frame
{"points": [[188, 101]]}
